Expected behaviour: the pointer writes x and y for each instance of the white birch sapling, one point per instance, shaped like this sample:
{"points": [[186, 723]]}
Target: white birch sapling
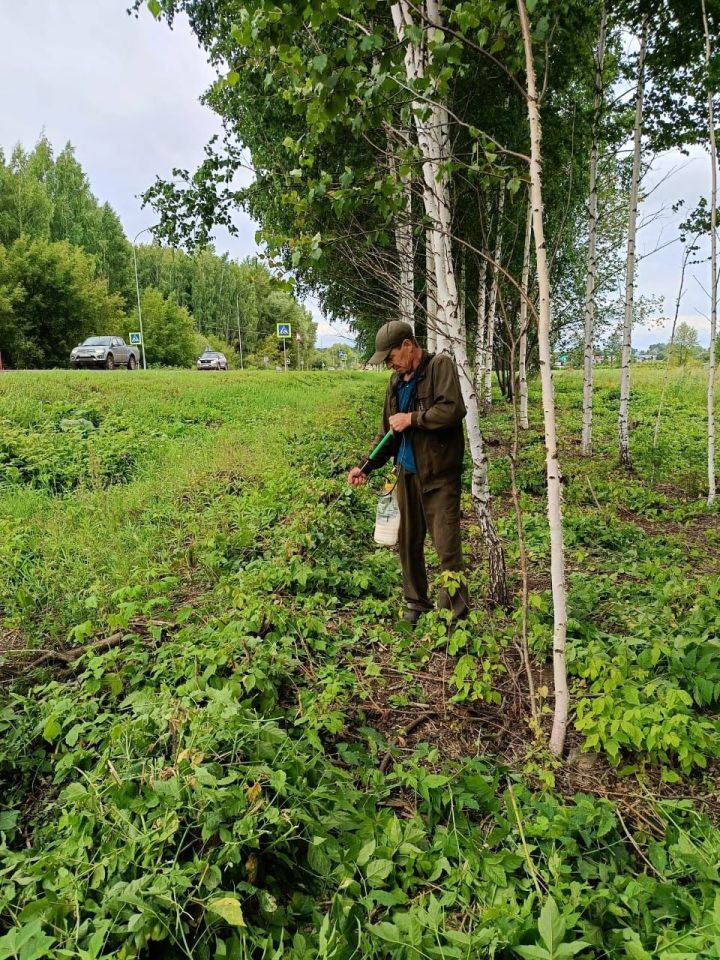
{"points": [[404, 245], [552, 464], [623, 418], [713, 269], [431, 311], [492, 305], [524, 314], [480, 328], [591, 263]]}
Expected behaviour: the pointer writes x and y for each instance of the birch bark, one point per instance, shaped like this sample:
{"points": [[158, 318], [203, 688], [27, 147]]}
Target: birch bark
{"points": [[552, 464], [492, 306], [404, 248], [591, 268], [431, 311], [713, 273], [623, 418], [524, 293], [480, 328], [432, 127]]}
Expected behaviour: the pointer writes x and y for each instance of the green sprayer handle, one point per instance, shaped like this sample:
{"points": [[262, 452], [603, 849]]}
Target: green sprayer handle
{"points": [[377, 449]]}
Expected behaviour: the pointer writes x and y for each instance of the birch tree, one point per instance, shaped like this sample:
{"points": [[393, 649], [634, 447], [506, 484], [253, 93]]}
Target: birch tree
{"points": [[523, 421], [552, 463], [623, 418], [480, 325], [713, 267], [492, 304], [432, 127], [404, 244], [591, 269], [431, 311]]}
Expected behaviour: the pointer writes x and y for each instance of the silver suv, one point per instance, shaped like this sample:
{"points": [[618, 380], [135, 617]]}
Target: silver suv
{"points": [[107, 352], [212, 360]]}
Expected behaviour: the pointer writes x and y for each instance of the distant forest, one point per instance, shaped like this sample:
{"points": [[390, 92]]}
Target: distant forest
{"points": [[66, 272]]}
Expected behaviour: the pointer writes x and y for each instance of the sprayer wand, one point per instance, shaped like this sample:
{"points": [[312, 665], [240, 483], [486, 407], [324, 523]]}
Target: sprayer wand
{"points": [[377, 449]]}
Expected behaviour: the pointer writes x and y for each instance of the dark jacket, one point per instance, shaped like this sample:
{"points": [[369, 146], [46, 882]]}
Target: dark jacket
{"points": [[437, 413]]}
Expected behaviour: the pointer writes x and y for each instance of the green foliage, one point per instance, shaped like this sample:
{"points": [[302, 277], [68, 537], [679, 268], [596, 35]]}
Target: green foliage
{"points": [[50, 300], [211, 787], [56, 235], [168, 330]]}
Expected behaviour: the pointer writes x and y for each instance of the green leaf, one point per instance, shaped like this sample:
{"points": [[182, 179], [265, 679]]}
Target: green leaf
{"points": [[154, 8], [52, 729], [387, 931], [319, 63], [551, 925], [8, 820], [377, 871], [533, 953], [229, 909], [366, 852], [27, 942], [566, 950], [434, 780]]}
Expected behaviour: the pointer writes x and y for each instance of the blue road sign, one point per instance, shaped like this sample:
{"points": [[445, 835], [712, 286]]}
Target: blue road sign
{"points": [[284, 331], [135, 338], [341, 354]]}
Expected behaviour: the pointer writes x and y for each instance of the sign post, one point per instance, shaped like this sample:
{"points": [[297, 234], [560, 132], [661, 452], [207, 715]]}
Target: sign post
{"points": [[284, 333]]}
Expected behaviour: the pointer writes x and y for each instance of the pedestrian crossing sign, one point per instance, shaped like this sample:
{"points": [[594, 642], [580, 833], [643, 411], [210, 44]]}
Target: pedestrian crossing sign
{"points": [[284, 331], [135, 338]]}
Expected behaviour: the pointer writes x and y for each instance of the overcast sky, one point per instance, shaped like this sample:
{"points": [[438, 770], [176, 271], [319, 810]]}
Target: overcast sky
{"points": [[126, 91]]}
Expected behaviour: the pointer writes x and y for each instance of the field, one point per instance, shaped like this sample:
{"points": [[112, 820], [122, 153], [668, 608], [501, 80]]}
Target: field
{"points": [[216, 742]]}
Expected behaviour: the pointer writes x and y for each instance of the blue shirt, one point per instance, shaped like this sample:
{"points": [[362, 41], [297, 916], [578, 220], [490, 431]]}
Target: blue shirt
{"points": [[406, 455]]}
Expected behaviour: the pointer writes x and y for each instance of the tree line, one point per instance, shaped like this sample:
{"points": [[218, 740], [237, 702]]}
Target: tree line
{"points": [[474, 168], [67, 272]]}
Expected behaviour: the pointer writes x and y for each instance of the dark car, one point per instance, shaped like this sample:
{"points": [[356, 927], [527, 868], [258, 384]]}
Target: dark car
{"points": [[107, 352], [212, 360]]}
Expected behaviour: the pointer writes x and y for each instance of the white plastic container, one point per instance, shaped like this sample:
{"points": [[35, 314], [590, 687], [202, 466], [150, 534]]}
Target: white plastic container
{"points": [[387, 520]]}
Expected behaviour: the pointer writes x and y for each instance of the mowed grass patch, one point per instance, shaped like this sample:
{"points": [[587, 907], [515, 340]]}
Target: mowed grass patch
{"points": [[71, 537]]}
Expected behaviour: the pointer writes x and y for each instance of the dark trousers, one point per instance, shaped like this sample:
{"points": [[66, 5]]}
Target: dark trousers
{"points": [[438, 511]]}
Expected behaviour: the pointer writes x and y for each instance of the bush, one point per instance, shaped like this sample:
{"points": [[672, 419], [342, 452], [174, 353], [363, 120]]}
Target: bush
{"points": [[168, 331], [50, 300]]}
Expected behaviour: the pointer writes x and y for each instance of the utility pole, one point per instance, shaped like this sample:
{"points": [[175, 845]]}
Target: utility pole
{"points": [[237, 307], [137, 288]]}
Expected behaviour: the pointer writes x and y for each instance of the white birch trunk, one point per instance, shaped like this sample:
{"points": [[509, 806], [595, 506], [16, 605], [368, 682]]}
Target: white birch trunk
{"points": [[432, 126], [552, 464], [524, 294], [431, 311], [406, 257], [623, 419], [591, 268], [480, 329], [713, 275], [492, 306]]}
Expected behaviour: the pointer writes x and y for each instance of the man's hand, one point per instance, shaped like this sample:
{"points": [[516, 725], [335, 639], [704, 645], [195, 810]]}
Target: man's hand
{"points": [[400, 421], [356, 478]]}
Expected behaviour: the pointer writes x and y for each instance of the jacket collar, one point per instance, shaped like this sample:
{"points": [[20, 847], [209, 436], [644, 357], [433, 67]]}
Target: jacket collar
{"points": [[419, 373]]}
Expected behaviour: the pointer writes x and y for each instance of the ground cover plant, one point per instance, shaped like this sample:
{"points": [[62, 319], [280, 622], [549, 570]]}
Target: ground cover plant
{"points": [[250, 759]]}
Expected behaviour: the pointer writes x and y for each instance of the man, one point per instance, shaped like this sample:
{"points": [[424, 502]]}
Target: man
{"points": [[424, 409]]}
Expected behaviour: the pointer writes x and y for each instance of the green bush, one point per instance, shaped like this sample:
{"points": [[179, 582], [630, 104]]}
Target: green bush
{"points": [[168, 330]]}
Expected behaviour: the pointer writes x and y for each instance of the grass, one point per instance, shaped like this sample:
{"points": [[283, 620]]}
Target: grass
{"points": [[264, 765]]}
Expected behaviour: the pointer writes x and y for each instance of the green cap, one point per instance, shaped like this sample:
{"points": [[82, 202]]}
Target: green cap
{"points": [[389, 336]]}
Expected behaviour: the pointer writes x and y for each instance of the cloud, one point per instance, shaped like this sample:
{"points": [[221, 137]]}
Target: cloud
{"points": [[660, 330]]}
